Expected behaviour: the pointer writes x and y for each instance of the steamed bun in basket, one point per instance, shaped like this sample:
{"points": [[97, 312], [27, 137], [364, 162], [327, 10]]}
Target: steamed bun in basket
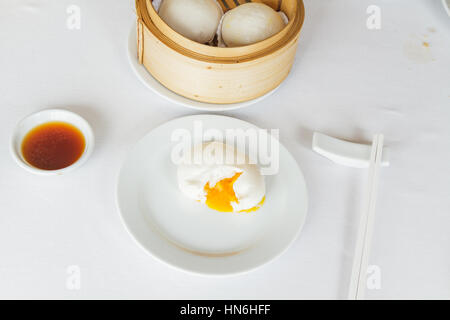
{"points": [[195, 19], [250, 23]]}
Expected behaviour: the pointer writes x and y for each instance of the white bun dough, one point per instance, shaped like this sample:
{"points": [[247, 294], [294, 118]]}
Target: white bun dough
{"points": [[250, 23], [195, 19]]}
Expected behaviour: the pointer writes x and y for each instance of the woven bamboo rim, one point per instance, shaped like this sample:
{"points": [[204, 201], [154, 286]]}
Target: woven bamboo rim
{"points": [[229, 52], [211, 54]]}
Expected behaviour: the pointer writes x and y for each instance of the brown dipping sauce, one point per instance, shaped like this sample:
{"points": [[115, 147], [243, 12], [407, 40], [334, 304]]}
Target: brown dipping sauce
{"points": [[53, 145]]}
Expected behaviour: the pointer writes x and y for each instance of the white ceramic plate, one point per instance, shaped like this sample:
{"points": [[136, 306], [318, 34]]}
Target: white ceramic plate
{"points": [[153, 84], [188, 235], [446, 4]]}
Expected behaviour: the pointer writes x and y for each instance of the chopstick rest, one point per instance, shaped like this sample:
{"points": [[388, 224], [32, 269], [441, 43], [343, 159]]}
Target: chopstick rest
{"points": [[345, 153]]}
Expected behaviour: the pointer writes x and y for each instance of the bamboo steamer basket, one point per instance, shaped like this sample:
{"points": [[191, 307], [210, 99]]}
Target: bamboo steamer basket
{"points": [[212, 74]]}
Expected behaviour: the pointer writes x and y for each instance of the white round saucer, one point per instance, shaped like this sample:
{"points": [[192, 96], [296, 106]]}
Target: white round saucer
{"points": [[446, 4], [38, 118], [162, 91], [187, 234]]}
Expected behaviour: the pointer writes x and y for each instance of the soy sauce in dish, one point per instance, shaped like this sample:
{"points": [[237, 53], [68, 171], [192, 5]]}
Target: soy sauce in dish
{"points": [[53, 145]]}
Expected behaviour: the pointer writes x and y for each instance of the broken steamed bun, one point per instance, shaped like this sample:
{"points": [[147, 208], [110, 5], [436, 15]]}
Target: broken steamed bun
{"points": [[222, 187]]}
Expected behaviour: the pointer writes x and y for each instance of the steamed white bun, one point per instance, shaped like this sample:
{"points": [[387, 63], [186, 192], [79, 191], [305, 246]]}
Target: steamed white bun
{"points": [[195, 19], [250, 23]]}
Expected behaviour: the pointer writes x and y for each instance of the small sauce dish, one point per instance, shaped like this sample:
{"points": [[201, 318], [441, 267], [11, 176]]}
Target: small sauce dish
{"points": [[52, 142]]}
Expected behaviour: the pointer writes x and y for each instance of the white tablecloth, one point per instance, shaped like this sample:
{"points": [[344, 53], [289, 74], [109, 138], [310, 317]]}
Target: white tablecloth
{"points": [[348, 81]]}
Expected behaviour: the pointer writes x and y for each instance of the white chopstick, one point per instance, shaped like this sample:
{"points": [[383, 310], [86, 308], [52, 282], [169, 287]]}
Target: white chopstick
{"points": [[361, 258]]}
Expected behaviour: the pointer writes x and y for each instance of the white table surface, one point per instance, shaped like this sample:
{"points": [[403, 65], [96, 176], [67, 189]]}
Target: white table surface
{"points": [[347, 81]]}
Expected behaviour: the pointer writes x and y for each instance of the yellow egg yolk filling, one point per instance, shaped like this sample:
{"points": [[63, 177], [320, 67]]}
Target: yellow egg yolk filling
{"points": [[255, 207], [222, 195]]}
